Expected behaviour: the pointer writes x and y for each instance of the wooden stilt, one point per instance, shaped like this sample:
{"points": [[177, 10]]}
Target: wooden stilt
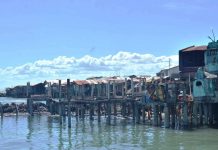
{"points": [[143, 113], [173, 115], [99, 112], [155, 115], [17, 111], [91, 111], [82, 111], [115, 109], [185, 115], [167, 116], [200, 114], [69, 107], [109, 112], [1, 110], [195, 114], [133, 111], [30, 106], [210, 113], [205, 114], [137, 110]]}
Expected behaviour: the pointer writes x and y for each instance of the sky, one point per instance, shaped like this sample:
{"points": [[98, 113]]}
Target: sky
{"points": [[59, 39]]}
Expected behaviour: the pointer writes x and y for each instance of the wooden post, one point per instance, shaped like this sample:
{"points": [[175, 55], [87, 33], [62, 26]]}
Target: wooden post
{"points": [[133, 110], [132, 87], [51, 107], [210, 114], [137, 109], [83, 91], [1, 110], [49, 90], [125, 87], [143, 113], [30, 106], [60, 103], [99, 112], [155, 115], [115, 109], [68, 99], [82, 111], [167, 116], [99, 89], [140, 85], [205, 113], [124, 109], [108, 90], [200, 114], [195, 114], [91, 111], [123, 90], [185, 115], [109, 112], [92, 90], [185, 109], [28, 90], [17, 111], [114, 88]]}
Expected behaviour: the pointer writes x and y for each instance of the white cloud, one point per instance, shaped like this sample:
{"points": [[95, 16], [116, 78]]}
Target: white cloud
{"points": [[62, 67]]}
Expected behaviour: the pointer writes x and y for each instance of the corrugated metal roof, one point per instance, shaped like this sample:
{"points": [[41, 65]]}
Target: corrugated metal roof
{"points": [[195, 48], [81, 82]]}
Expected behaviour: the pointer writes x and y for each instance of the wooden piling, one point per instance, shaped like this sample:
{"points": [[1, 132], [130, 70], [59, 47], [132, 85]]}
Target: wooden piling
{"points": [[195, 114], [92, 91], [115, 108], [166, 116], [173, 115], [108, 112], [17, 110], [83, 111], [60, 102], [185, 109], [210, 114], [28, 90], [143, 113], [137, 114], [51, 108], [1, 110], [125, 87], [205, 113], [91, 111], [123, 109], [68, 99], [114, 88], [155, 114], [99, 89], [99, 112], [132, 86], [200, 114], [185, 115], [140, 85], [133, 110], [108, 90], [30, 106]]}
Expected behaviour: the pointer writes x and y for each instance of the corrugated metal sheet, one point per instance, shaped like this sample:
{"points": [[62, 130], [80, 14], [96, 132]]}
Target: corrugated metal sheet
{"points": [[195, 48], [81, 82]]}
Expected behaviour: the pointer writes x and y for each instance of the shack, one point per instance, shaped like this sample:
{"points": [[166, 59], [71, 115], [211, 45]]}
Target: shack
{"points": [[190, 59]]}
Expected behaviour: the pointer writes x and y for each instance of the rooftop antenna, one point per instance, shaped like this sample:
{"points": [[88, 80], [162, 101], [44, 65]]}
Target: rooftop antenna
{"points": [[214, 38]]}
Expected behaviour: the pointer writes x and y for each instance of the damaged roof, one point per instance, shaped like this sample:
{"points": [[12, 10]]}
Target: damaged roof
{"points": [[195, 48]]}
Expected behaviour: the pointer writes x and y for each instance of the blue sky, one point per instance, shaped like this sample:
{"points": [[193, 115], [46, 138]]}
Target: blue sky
{"points": [[36, 30]]}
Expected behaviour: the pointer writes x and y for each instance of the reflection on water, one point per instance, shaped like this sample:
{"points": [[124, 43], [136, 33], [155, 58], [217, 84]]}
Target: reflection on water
{"points": [[44, 132]]}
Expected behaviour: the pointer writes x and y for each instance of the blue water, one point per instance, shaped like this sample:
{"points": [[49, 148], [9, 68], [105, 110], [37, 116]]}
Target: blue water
{"points": [[42, 132]]}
